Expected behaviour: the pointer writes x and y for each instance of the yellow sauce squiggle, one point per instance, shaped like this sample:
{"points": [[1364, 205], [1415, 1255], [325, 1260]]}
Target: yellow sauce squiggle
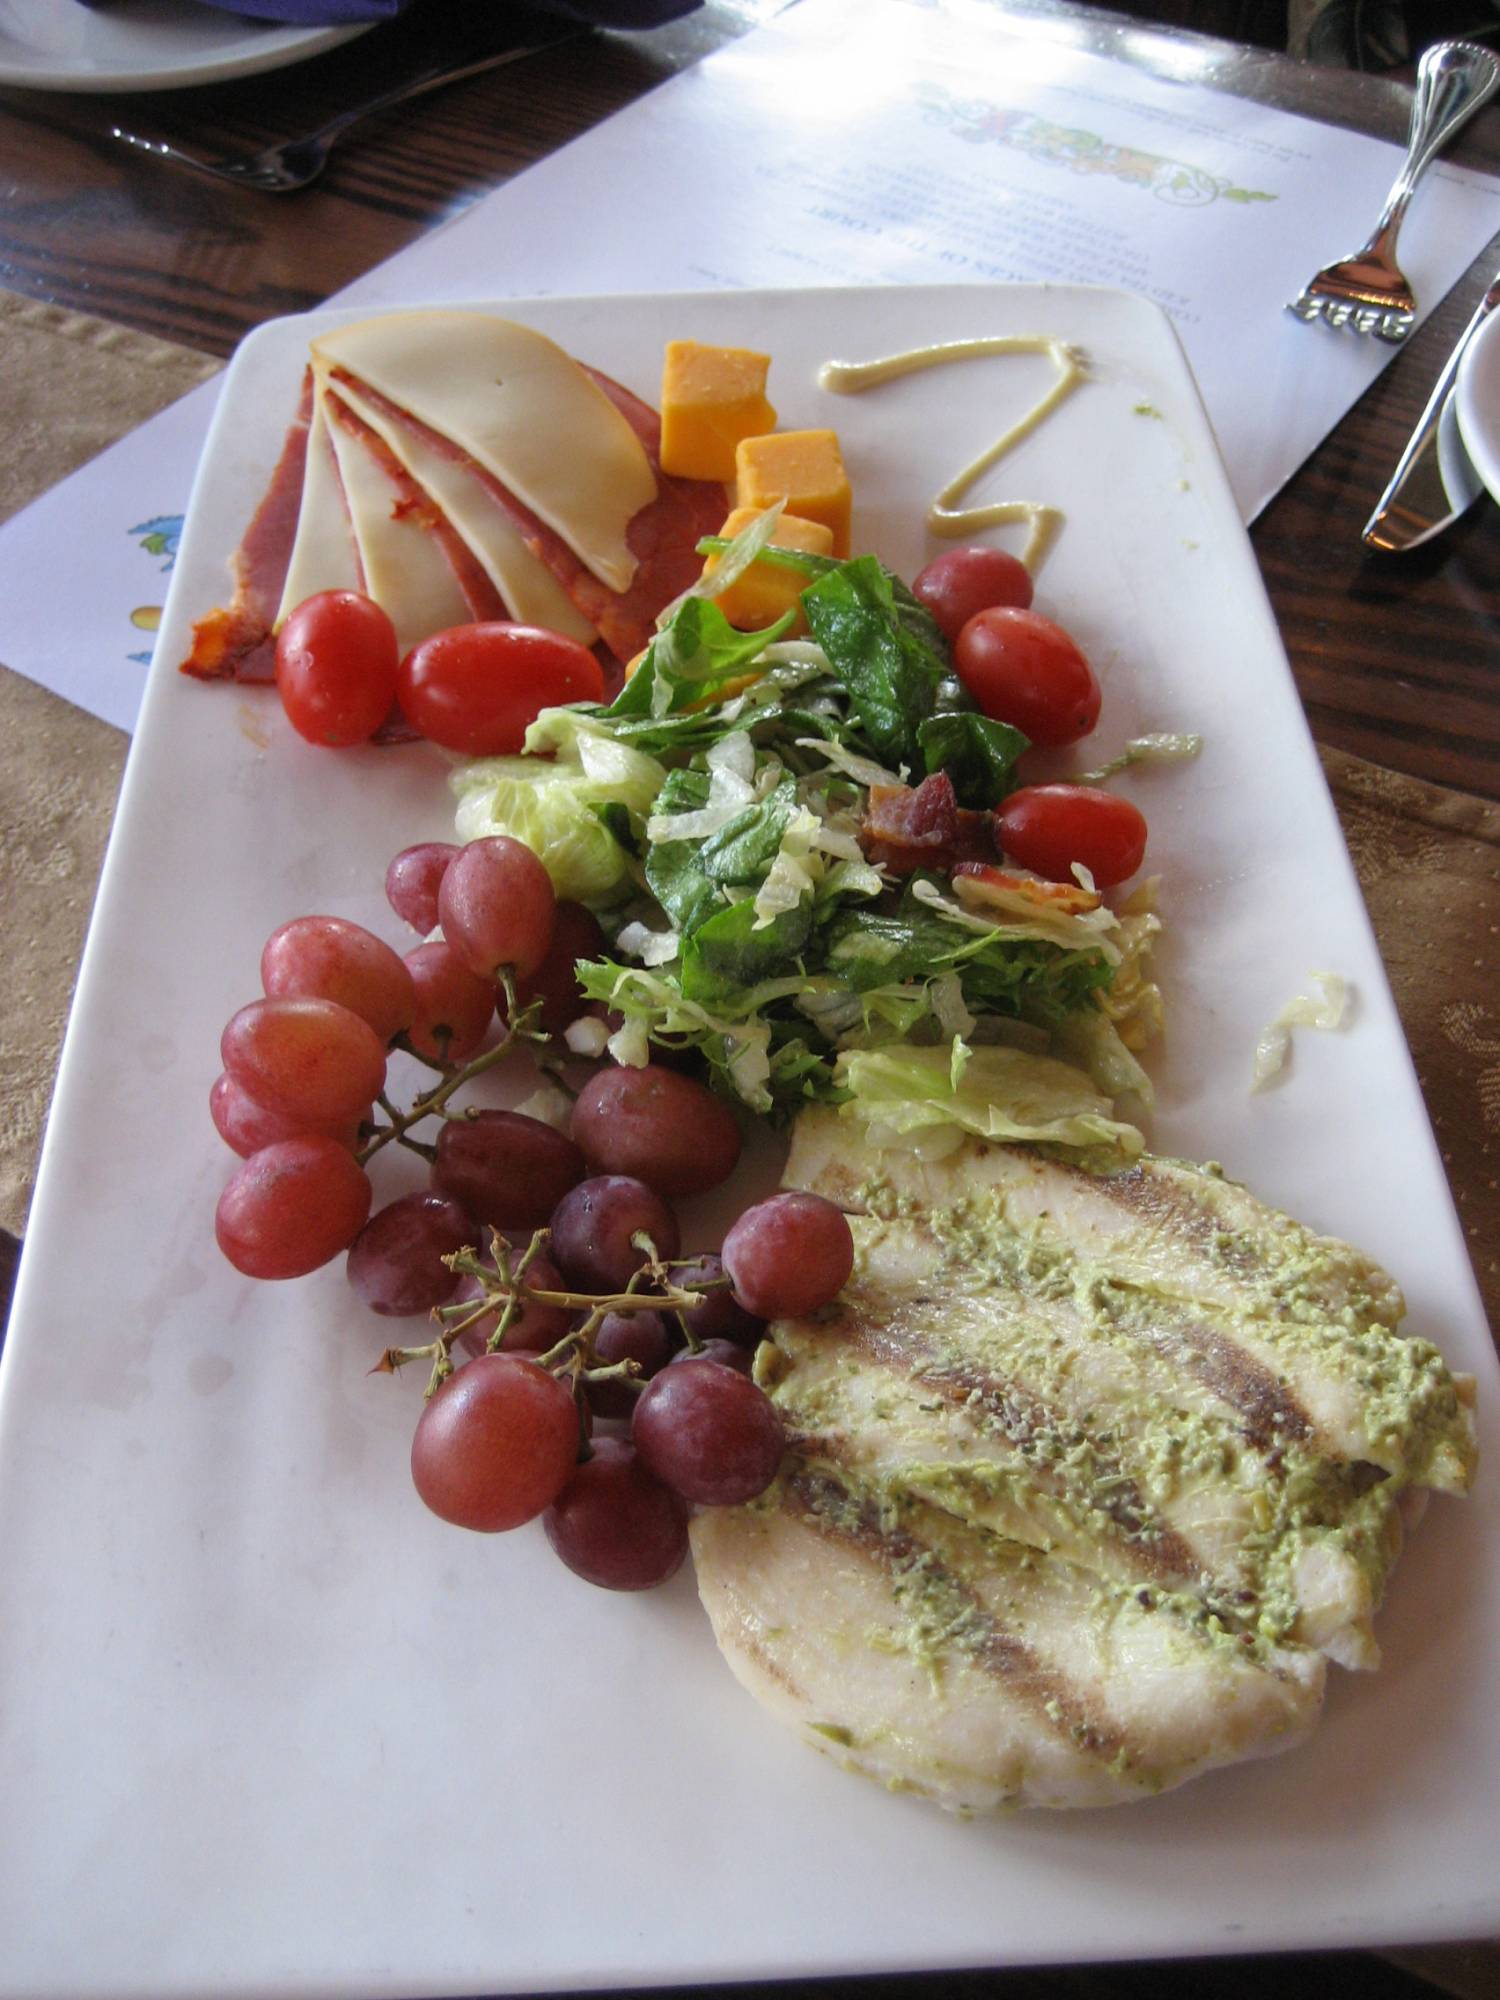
{"points": [[945, 516]]}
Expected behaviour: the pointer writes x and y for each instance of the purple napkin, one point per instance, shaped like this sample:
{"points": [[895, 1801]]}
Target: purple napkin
{"points": [[328, 13], [312, 13]]}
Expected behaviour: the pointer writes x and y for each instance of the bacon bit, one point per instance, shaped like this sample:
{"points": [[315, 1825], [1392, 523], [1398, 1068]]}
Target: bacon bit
{"points": [[976, 837], [906, 827], [984, 888]]}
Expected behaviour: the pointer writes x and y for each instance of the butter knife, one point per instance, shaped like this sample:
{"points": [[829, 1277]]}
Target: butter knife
{"points": [[1434, 481]]}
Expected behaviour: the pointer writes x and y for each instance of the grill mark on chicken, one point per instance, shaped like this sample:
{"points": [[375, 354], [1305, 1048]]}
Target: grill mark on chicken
{"points": [[1270, 1415], [1144, 1193], [770, 1666], [1157, 1549], [1046, 1690]]}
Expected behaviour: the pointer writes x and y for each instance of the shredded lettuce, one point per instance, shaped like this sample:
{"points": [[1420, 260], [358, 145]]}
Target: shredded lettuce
{"points": [[561, 806], [995, 1093], [711, 814], [1328, 1010]]}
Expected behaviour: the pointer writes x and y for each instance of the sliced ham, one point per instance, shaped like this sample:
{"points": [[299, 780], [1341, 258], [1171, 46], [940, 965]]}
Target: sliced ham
{"points": [[663, 536], [236, 642], [415, 567]]}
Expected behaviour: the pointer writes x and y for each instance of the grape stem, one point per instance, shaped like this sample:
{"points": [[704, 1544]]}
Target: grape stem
{"points": [[505, 1287], [521, 1026]]}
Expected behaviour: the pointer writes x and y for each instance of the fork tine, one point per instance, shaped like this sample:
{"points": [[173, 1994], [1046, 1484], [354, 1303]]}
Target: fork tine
{"points": [[1366, 292]]}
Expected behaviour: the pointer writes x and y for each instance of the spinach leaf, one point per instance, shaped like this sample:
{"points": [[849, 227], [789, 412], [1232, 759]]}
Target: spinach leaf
{"points": [[979, 755], [689, 659], [743, 850], [728, 952], [678, 883], [674, 871], [1025, 978], [615, 819], [880, 651], [685, 790], [916, 620], [687, 876]]}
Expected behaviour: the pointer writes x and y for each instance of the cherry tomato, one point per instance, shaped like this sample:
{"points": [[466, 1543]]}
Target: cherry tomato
{"points": [[1049, 827], [1023, 669], [336, 661], [961, 582], [478, 688]]}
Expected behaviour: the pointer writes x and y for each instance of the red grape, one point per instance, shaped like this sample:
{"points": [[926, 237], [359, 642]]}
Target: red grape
{"points": [[496, 1444], [411, 882], [454, 1008], [643, 1337], [708, 1432], [789, 1255], [725, 1352], [335, 960], [667, 1130], [592, 1228], [576, 934], [247, 1126], [291, 1207], [613, 1524], [534, 1328], [307, 1059], [507, 1169], [721, 1316], [496, 906], [396, 1261]]}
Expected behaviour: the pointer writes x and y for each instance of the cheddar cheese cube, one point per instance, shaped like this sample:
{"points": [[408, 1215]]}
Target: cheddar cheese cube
{"points": [[803, 468], [711, 397], [765, 591]]}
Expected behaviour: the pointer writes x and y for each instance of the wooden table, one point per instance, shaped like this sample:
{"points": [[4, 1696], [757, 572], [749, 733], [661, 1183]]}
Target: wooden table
{"points": [[1397, 659]]}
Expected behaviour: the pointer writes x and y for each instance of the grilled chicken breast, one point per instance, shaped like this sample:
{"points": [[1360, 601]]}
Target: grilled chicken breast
{"points": [[1090, 1473]]}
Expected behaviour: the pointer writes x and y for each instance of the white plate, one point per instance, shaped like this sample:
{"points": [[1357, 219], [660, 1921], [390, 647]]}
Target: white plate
{"points": [[267, 1727], [145, 45], [1477, 400]]}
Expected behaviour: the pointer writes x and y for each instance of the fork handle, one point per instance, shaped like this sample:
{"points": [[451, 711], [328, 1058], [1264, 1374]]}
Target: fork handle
{"points": [[438, 74], [1453, 80]]}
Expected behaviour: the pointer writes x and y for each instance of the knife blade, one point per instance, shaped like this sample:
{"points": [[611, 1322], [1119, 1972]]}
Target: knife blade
{"points": [[1434, 481]]}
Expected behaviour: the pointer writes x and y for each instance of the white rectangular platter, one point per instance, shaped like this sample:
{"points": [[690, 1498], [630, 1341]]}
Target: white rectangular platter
{"points": [[267, 1727]]}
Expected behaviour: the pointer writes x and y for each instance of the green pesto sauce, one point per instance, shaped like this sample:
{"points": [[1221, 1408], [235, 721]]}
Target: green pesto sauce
{"points": [[1119, 1440]]}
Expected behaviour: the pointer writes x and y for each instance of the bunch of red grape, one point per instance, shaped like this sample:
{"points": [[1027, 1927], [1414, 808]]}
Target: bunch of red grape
{"points": [[599, 1315]]}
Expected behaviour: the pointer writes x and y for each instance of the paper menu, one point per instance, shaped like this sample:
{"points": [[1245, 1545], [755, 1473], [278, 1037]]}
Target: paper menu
{"points": [[848, 141]]}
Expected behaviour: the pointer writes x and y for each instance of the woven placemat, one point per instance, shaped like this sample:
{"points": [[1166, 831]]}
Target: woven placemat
{"points": [[73, 385]]}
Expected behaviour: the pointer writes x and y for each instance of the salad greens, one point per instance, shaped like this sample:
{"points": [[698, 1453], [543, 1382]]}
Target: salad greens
{"points": [[711, 817]]}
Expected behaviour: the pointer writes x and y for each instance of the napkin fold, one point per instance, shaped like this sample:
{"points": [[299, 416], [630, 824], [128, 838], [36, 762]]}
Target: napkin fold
{"points": [[337, 13]]}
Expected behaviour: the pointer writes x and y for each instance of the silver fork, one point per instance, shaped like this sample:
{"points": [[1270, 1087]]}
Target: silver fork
{"points": [[296, 162], [1366, 291]]}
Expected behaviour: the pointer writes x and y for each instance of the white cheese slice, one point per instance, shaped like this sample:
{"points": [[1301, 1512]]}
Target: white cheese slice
{"points": [[405, 570], [532, 593], [323, 554], [523, 409]]}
